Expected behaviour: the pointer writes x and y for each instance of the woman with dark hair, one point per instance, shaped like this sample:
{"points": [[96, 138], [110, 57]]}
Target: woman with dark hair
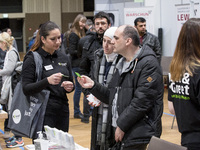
{"points": [[55, 66], [184, 83], [77, 31]]}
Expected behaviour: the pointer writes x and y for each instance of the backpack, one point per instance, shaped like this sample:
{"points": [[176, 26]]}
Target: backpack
{"points": [[32, 41], [11, 82], [16, 75]]}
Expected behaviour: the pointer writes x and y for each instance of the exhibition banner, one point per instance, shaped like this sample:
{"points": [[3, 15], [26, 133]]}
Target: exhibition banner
{"points": [[130, 14], [184, 12]]}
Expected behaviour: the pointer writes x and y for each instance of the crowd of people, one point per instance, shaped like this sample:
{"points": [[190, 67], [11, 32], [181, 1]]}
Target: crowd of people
{"points": [[119, 66]]}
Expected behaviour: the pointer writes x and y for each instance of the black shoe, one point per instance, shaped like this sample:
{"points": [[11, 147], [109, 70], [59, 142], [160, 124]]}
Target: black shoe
{"points": [[79, 116], [85, 120]]}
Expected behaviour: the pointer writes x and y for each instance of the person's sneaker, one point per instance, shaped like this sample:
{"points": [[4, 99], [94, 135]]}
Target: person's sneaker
{"points": [[6, 134], [85, 120], [78, 116], [15, 143], [10, 139]]}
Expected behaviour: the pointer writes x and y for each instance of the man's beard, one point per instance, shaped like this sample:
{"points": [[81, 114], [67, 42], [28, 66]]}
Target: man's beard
{"points": [[100, 35], [142, 32]]}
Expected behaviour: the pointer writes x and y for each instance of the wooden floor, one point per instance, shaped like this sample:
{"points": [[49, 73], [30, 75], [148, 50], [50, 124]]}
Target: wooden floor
{"points": [[81, 131]]}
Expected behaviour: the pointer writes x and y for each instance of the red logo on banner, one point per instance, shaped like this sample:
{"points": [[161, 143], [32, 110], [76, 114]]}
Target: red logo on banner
{"points": [[137, 14], [183, 17]]}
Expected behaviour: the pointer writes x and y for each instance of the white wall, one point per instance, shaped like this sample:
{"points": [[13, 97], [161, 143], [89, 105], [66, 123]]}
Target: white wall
{"points": [[115, 5], [168, 23], [164, 17]]}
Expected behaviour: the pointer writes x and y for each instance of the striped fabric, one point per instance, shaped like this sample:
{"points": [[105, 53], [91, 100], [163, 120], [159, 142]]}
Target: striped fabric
{"points": [[103, 108]]}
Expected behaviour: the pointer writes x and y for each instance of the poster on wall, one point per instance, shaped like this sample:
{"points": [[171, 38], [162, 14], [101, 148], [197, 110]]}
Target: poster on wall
{"points": [[130, 14], [183, 13], [114, 17]]}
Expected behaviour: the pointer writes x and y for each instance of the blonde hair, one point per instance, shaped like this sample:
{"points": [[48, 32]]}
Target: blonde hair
{"points": [[187, 53], [6, 38]]}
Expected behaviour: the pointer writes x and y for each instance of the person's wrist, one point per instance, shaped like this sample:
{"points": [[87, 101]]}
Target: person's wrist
{"points": [[92, 84], [48, 79]]}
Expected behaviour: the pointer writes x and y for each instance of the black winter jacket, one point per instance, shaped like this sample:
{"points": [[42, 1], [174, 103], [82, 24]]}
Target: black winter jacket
{"points": [[90, 46], [140, 99], [153, 42], [83, 40], [73, 49]]}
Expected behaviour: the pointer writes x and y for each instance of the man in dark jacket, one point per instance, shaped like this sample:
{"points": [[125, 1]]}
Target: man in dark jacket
{"points": [[101, 24], [148, 38], [135, 93]]}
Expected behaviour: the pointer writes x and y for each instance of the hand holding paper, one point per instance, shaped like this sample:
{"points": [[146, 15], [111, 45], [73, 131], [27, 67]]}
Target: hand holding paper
{"points": [[91, 98]]}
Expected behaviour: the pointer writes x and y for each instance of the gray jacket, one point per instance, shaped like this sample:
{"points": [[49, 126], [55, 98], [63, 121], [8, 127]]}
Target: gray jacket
{"points": [[10, 63], [153, 42]]}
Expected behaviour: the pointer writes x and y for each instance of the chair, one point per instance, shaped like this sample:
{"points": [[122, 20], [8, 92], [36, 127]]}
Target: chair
{"points": [[159, 144], [174, 117]]}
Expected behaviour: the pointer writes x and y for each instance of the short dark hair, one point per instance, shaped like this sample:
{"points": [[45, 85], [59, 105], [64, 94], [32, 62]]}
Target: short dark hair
{"points": [[139, 19], [102, 14], [131, 32]]}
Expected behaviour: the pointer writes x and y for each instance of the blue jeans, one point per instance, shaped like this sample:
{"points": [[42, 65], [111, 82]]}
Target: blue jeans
{"points": [[77, 93]]}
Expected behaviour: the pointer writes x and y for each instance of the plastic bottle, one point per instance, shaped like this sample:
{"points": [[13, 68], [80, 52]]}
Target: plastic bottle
{"points": [[1, 107], [40, 143]]}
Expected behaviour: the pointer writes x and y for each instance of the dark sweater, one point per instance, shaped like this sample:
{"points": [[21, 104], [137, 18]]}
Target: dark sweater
{"points": [[185, 97], [59, 63], [73, 49]]}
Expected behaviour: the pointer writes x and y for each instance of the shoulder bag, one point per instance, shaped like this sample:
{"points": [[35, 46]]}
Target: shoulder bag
{"points": [[27, 112]]}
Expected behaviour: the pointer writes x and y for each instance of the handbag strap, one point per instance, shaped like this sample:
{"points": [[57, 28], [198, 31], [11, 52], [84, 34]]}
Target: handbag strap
{"points": [[38, 64]]}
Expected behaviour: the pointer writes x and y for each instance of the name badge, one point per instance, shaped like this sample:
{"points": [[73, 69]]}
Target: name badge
{"points": [[48, 67]]}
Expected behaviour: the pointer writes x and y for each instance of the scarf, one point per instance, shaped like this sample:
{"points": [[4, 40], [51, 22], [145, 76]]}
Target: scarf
{"points": [[104, 78]]}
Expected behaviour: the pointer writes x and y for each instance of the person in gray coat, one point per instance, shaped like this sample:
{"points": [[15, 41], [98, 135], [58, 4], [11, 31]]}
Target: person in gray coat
{"points": [[11, 59]]}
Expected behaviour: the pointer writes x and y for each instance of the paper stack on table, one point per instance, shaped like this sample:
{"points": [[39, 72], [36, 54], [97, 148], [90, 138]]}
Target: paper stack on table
{"points": [[64, 140]]}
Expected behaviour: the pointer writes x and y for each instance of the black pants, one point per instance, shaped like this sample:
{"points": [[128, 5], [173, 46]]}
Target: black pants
{"points": [[6, 125], [57, 115], [191, 146], [134, 147], [86, 108], [6, 120]]}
